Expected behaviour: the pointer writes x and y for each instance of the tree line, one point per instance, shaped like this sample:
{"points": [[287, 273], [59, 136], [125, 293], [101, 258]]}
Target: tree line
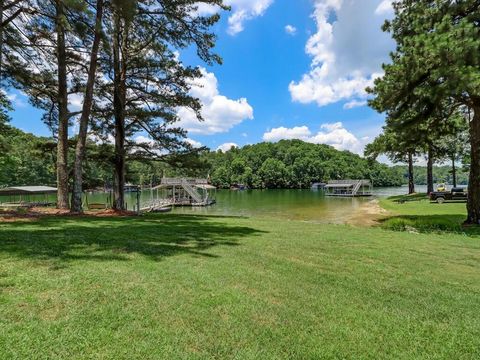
{"points": [[294, 164], [120, 58], [29, 159], [430, 91]]}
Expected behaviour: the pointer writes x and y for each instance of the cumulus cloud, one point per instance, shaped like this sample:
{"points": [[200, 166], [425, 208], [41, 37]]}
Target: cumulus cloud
{"points": [[227, 146], [290, 29], [345, 60], [283, 133], [141, 139], [17, 99], [354, 103], [219, 112], [194, 143], [385, 7], [75, 102], [242, 11], [333, 134]]}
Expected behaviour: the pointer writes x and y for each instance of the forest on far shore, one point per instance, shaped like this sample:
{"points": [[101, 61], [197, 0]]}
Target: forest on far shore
{"points": [[26, 159]]}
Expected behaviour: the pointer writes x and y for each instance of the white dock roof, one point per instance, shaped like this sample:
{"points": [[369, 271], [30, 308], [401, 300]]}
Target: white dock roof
{"points": [[25, 190]]}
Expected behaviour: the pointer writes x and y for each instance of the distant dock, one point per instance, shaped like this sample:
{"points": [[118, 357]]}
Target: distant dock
{"points": [[349, 188]]}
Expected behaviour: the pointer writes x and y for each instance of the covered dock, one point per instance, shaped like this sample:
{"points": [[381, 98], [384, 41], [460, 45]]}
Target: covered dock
{"points": [[349, 188], [181, 192], [27, 196]]}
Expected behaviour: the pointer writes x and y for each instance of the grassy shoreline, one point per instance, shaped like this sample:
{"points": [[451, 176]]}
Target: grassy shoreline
{"points": [[198, 287], [415, 213]]}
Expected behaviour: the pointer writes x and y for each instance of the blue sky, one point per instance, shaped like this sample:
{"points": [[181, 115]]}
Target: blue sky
{"points": [[292, 69]]}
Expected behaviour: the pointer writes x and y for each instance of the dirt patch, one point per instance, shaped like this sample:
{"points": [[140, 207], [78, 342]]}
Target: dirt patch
{"points": [[368, 214], [34, 213]]}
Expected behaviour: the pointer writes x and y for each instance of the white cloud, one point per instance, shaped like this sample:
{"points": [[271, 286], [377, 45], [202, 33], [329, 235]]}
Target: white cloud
{"points": [[140, 139], [219, 112], [333, 134], [242, 11], [226, 147], [290, 29], [300, 132], [17, 99], [385, 7], [75, 102], [354, 103], [194, 143], [347, 52]]}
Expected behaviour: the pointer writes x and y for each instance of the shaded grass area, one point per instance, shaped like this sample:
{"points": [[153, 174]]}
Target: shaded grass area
{"points": [[416, 213], [196, 287]]}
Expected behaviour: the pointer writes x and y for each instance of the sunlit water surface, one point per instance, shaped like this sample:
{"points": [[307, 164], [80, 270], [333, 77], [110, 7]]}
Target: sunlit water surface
{"points": [[307, 205]]}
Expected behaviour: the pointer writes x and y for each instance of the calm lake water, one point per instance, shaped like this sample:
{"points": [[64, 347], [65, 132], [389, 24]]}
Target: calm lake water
{"points": [[305, 205]]}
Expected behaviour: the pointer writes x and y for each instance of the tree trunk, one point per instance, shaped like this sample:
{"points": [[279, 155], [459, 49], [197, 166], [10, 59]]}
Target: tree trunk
{"points": [[1, 44], [411, 184], [429, 172], [454, 172], [473, 205], [86, 110], [119, 94], [62, 103]]}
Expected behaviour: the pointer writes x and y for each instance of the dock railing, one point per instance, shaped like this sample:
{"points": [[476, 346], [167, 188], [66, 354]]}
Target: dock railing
{"points": [[181, 181]]}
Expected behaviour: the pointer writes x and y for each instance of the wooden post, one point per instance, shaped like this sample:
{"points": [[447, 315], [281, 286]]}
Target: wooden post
{"points": [[138, 201]]}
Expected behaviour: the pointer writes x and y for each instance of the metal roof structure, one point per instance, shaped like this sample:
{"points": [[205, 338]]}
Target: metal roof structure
{"points": [[27, 190], [338, 185], [205, 187]]}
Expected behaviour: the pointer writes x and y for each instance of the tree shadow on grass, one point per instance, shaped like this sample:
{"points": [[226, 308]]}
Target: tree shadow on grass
{"points": [[430, 224], [105, 239]]}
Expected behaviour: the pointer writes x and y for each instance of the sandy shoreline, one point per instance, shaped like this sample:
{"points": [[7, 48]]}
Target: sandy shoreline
{"points": [[368, 214]]}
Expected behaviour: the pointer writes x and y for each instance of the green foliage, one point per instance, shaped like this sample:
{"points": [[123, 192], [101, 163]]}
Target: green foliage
{"points": [[441, 174], [435, 71], [294, 164], [26, 159]]}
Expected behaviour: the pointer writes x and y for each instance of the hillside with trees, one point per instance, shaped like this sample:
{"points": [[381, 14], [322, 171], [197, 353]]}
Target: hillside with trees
{"points": [[294, 164], [27, 159]]}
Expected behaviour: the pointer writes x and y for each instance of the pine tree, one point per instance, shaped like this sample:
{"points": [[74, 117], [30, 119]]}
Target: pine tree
{"points": [[147, 81], [80, 149], [437, 60]]}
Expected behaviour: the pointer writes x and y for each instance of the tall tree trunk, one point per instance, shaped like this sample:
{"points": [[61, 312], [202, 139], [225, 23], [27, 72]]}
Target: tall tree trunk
{"points": [[119, 94], [473, 205], [62, 103], [454, 171], [411, 183], [429, 172], [1, 43], [86, 110]]}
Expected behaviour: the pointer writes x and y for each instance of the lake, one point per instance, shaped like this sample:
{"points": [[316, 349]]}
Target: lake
{"points": [[307, 205], [292, 204]]}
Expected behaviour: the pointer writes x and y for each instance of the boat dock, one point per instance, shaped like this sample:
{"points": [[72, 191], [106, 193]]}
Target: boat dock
{"points": [[181, 192], [349, 188]]}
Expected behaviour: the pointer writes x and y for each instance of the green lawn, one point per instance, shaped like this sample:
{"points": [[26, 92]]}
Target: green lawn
{"points": [[188, 287], [417, 213]]}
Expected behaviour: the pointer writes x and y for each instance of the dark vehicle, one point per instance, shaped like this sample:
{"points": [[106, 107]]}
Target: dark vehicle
{"points": [[456, 194]]}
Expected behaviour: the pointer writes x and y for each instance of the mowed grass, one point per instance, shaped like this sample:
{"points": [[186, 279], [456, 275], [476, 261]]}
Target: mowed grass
{"points": [[417, 213], [195, 287]]}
